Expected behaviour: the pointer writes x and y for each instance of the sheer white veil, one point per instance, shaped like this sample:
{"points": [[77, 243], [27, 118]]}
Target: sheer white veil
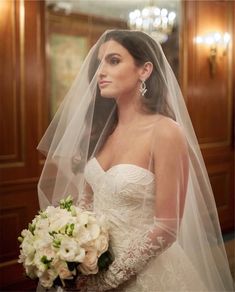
{"points": [[83, 122]]}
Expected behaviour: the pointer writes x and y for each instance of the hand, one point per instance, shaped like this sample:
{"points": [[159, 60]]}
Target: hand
{"points": [[81, 282], [78, 285]]}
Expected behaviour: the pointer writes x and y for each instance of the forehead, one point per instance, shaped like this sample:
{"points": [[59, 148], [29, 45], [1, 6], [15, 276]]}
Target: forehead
{"points": [[112, 47]]}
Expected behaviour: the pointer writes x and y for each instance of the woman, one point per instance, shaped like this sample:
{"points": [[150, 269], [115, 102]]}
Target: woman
{"points": [[122, 143]]}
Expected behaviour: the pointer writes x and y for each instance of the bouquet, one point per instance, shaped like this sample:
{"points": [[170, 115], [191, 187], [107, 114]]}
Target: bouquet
{"points": [[62, 243]]}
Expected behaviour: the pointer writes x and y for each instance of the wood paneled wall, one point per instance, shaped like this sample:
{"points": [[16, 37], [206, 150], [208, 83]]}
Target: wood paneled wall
{"points": [[24, 108], [21, 93], [25, 113], [210, 98]]}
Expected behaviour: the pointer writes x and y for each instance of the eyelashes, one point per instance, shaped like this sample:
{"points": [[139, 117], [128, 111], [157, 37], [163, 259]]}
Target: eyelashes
{"points": [[109, 60], [114, 61]]}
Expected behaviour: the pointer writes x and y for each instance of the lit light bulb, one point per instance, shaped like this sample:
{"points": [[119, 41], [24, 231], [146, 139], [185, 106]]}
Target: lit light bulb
{"points": [[164, 12], [199, 40], [156, 11], [139, 22], [209, 40], [137, 13], [145, 12], [132, 15], [226, 38], [217, 37], [172, 16]]}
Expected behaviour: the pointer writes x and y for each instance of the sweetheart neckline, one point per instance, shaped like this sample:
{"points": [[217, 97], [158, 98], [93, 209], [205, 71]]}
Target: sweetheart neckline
{"points": [[122, 164]]}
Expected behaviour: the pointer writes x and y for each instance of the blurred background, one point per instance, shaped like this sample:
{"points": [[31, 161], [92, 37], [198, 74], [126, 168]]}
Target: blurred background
{"points": [[42, 46]]}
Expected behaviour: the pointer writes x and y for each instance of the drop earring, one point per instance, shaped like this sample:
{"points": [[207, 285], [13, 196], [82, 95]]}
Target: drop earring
{"points": [[143, 88]]}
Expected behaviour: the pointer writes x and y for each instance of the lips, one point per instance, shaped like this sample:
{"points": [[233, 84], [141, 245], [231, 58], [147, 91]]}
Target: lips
{"points": [[104, 83]]}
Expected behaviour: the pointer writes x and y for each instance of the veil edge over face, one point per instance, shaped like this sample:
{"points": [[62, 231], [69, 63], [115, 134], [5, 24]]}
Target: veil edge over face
{"points": [[85, 120]]}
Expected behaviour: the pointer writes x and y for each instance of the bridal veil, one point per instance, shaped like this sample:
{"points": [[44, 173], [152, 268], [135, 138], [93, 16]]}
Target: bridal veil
{"points": [[83, 122]]}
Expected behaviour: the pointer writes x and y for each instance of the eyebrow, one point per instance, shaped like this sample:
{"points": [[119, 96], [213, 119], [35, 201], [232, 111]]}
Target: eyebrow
{"points": [[110, 55]]}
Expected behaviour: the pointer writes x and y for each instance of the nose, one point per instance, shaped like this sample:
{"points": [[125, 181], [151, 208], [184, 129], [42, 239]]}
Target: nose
{"points": [[102, 70]]}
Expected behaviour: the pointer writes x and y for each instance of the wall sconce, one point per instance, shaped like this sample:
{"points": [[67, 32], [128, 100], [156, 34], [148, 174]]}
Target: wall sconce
{"points": [[214, 40]]}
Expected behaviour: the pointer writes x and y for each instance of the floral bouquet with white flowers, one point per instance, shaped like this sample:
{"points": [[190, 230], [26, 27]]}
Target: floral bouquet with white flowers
{"points": [[62, 243]]}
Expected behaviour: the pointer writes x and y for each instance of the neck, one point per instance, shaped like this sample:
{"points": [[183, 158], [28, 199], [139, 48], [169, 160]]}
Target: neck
{"points": [[129, 110]]}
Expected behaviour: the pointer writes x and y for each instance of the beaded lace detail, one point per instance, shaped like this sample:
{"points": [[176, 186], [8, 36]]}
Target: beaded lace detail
{"points": [[142, 245], [132, 261]]}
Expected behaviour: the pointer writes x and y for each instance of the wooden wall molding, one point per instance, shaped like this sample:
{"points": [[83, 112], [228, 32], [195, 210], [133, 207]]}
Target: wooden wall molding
{"points": [[11, 219], [220, 181], [25, 117], [12, 75], [25, 108], [210, 99]]}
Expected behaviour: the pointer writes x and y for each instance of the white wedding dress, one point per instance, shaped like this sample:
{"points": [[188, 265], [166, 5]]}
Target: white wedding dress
{"points": [[118, 194]]}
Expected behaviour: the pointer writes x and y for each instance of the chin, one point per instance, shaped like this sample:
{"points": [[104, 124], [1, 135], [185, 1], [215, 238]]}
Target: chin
{"points": [[107, 94]]}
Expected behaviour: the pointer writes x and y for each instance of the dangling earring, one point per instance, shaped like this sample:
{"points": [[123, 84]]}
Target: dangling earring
{"points": [[143, 88]]}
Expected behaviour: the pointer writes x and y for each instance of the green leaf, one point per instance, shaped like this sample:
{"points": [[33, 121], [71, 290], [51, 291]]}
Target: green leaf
{"points": [[42, 214], [66, 203], [69, 229], [46, 262], [56, 243], [31, 228], [105, 260]]}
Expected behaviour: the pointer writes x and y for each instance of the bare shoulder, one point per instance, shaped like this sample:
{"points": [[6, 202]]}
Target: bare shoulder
{"points": [[168, 131]]}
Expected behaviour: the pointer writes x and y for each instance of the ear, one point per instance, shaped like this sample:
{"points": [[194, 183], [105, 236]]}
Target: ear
{"points": [[146, 71]]}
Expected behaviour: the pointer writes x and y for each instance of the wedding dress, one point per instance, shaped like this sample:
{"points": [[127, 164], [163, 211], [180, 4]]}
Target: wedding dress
{"points": [[118, 194], [157, 250]]}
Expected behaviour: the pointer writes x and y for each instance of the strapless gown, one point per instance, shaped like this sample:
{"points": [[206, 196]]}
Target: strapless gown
{"points": [[120, 194]]}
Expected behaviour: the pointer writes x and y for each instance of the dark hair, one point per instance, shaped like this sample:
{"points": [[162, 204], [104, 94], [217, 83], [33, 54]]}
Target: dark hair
{"points": [[143, 49]]}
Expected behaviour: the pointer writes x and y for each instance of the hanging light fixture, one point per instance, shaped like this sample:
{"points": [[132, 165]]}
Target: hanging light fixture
{"points": [[158, 22]]}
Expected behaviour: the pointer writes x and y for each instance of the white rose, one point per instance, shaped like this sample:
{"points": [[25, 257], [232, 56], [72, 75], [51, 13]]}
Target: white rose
{"points": [[29, 260], [26, 233], [49, 252], [22, 258], [83, 235], [63, 271], [85, 271], [51, 211], [101, 244], [28, 248], [92, 218], [87, 229], [82, 218], [31, 271], [93, 229], [41, 226], [47, 278], [60, 220], [42, 240], [89, 264], [91, 258], [41, 267]]}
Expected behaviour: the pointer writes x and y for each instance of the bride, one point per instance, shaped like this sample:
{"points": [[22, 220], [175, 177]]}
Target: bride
{"points": [[122, 145]]}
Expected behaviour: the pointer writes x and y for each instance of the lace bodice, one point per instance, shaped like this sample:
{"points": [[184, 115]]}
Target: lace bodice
{"points": [[121, 193], [147, 257]]}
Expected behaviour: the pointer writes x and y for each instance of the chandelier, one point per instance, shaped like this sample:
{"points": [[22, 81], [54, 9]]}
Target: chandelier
{"points": [[154, 21]]}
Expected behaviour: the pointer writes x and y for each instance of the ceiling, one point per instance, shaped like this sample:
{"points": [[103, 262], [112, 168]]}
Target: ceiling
{"points": [[118, 9]]}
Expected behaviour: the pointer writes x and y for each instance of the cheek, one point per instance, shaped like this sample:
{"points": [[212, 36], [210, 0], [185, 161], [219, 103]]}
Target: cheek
{"points": [[128, 84], [126, 80]]}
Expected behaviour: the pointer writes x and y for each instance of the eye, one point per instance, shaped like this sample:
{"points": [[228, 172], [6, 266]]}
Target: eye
{"points": [[114, 61]]}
